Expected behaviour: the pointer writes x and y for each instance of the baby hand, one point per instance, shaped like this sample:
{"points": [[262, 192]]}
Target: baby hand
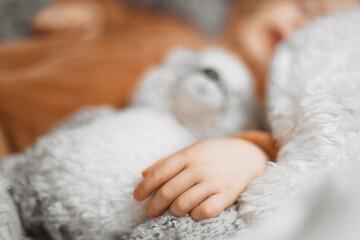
{"points": [[203, 179]]}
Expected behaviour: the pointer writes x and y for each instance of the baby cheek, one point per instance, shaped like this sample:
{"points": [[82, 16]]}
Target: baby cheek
{"points": [[253, 45]]}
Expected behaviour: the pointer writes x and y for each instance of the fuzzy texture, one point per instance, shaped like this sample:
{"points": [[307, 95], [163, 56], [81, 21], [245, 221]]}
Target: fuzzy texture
{"points": [[329, 210], [77, 182], [314, 112], [10, 227]]}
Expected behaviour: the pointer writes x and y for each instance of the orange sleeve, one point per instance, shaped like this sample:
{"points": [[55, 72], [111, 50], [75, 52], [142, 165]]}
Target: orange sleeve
{"points": [[4, 148], [262, 139]]}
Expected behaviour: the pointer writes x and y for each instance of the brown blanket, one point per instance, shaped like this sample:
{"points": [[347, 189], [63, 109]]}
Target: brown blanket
{"points": [[45, 78]]}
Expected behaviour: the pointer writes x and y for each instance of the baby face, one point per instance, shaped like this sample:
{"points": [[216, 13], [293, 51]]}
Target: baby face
{"points": [[259, 26]]}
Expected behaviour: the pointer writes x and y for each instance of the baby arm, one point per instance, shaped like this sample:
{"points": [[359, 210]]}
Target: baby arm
{"points": [[4, 148], [203, 179]]}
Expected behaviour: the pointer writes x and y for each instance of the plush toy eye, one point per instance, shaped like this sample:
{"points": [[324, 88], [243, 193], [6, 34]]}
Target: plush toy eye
{"points": [[211, 74]]}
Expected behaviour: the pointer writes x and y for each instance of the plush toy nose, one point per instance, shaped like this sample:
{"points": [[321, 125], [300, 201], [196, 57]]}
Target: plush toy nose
{"points": [[204, 87], [200, 93], [211, 74]]}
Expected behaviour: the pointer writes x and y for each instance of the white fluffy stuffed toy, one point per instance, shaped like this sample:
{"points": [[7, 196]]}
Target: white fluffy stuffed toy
{"points": [[77, 182]]}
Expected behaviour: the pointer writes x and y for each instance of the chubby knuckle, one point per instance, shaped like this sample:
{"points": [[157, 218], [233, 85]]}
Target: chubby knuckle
{"points": [[220, 185], [202, 175], [214, 186], [157, 174], [208, 212], [205, 174], [181, 205], [186, 156], [165, 193], [230, 190]]}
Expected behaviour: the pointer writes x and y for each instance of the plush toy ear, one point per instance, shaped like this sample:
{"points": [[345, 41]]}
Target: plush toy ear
{"points": [[154, 89]]}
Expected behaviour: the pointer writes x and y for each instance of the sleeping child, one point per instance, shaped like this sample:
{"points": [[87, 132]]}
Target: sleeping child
{"points": [[44, 78], [256, 36]]}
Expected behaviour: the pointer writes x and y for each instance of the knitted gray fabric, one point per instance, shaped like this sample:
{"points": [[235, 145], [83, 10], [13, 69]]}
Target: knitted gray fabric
{"points": [[10, 228], [185, 228]]}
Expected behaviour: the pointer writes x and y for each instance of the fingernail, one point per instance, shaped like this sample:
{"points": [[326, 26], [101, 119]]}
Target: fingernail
{"points": [[151, 215], [136, 197]]}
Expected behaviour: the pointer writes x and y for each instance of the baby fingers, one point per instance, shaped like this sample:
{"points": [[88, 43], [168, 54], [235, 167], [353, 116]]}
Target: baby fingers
{"points": [[170, 192], [191, 198], [149, 169], [211, 207], [158, 176]]}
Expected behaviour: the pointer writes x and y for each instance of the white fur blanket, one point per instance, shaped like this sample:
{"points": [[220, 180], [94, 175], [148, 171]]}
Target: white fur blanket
{"points": [[314, 112]]}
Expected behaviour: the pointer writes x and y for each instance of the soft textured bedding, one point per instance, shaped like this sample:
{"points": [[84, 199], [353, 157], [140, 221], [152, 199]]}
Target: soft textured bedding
{"points": [[10, 227], [314, 114]]}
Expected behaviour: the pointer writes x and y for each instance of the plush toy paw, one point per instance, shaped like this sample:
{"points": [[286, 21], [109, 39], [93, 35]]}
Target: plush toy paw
{"points": [[79, 19]]}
